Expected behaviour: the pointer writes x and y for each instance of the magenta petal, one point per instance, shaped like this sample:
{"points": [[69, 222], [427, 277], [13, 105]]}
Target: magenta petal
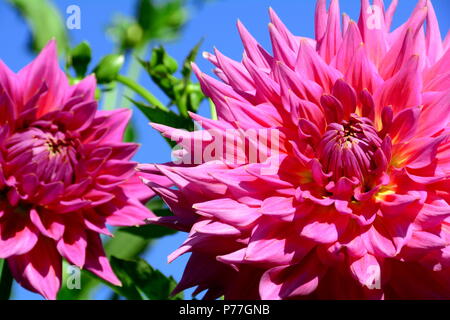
{"points": [[73, 246], [130, 213], [366, 270], [17, 235], [96, 260], [223, 209], [39, 270], [290, 281]]}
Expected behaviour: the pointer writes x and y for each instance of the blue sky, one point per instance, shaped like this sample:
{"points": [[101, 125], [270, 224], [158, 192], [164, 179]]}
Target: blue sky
{"points": [[216, 23]]}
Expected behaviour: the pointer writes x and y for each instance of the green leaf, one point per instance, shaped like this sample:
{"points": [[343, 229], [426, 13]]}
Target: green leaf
{"points": [[141, 281], [6, 280], [166, 117], [108, 68], [186, 95], [79, 58], [161, 62], [187, 69], [160, 20], [45, 23], [127, 32], [130, 133], [155, 204]]}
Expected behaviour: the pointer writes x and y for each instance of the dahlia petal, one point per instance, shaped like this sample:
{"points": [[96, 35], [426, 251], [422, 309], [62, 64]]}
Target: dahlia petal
{"points": [[362, 73], [317, 173], [397, 204], [10, 115], [403, 89], [289, 281], [321, 231], [267, 89], [425, 241], [333, 109], [346, 95], [50, 192], [115, 122], [216, 227], [435, 116], [272, 244], [440, 67], [133, 213], [329, 44], [352, 241], [96, 260], [368, 105], [397, 57], [39, 270], [433, 34], [30, 183], [71, 205], [288, 37], [281, 49], [83, 114], [223, 209], [291, 81], [95, 222], [134, 187], [44, 68], [434, 214], [269, 252], [7, 81], [233, 257], [313, 67], [253, 50], [17, 235], [236, 74], [405, 125], [373, 32], [85, 89], [77, 188], [97, 197], [378, 242], [320, 21], [198, 277], [49, 224], [73, 246], [424, 153], [365, 269], [412, 29], [277, 206]]}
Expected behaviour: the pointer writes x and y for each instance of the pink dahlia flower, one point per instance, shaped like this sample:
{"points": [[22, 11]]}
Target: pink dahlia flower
{"points": [[64, 174], [357, 203]]}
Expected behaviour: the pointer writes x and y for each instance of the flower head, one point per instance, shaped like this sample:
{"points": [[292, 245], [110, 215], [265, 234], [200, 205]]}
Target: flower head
{"points": [[64, 174], [357, 203]]}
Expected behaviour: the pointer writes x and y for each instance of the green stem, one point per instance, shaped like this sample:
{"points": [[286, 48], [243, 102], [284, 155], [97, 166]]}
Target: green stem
{"points": [[133, 72], [110, 98], [6, 280], [144, 93]]}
